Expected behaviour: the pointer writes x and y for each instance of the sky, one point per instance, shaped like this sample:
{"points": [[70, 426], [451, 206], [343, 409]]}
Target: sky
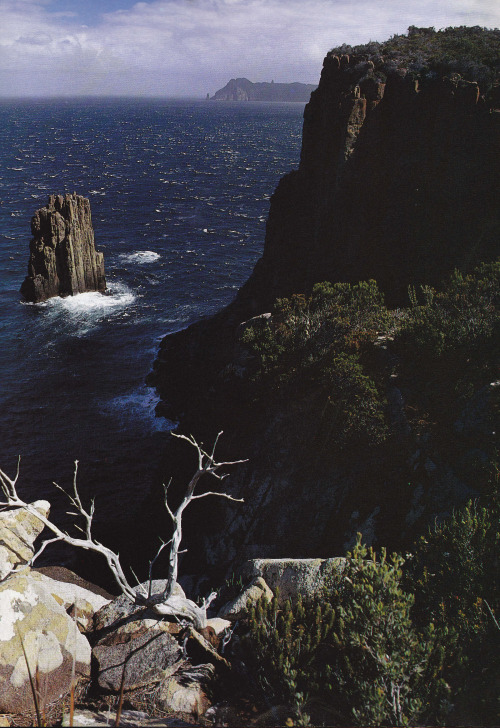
{"points": [[193, 47]]}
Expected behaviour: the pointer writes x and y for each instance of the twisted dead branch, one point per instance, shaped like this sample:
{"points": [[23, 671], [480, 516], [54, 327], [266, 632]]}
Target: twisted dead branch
{"points": [[166, 603]]}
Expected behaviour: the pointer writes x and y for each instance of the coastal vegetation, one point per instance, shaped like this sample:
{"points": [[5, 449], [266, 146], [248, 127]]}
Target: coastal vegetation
{"points": [[394, 640], [427, 53], [410, 638], [325, 349], [320, 344]]}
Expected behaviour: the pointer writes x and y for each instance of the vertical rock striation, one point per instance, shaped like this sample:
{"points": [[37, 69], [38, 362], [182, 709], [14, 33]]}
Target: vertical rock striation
{"points": [[397, 181], [63, 259]]}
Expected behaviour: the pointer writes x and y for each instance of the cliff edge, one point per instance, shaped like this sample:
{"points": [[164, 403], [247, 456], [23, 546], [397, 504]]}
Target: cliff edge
{"points": [[63, 260], [398, 182]]}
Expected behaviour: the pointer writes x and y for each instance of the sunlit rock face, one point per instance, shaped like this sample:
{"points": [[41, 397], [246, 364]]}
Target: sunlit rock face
{"points": [[63, 260]]}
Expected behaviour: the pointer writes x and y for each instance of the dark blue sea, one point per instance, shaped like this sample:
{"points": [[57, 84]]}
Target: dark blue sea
{"points": [[179, 191]]}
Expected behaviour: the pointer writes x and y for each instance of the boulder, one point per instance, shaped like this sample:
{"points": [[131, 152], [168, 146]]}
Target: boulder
{"points": [[134, 645], [18, 531], [33, 620], [137, 653], [291, 577], [63, 260], [185, 690], [121, 609], [201, 646], [238, 607], [219, 625], [80, 603]]}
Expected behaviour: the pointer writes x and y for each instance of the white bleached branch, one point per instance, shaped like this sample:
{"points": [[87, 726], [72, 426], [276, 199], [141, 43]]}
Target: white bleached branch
{"points": [[166, 603]]}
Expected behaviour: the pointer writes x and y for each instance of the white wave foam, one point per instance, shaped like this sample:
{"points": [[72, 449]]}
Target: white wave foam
{"points": [[117, 296], [140, 256], [77, 315], [138, 407]]}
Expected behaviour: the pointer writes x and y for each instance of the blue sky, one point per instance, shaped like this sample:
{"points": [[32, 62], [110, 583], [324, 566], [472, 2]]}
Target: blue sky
{"points": [[193, 47]]}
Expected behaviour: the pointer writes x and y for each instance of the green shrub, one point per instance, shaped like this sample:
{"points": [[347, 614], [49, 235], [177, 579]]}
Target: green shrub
{"points": [[284, 649], [461, 319], [455, 574], [319, 348], [449, 345], [355, 652], [425, 53], [387, 672]]}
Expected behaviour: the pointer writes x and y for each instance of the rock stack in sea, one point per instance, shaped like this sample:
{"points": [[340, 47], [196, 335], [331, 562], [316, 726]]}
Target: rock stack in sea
{"points": [[63, 259]]}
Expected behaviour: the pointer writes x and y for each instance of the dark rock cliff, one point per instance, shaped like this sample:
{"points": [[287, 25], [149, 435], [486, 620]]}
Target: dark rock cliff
{"points": [[63, 259], [398, 181]]}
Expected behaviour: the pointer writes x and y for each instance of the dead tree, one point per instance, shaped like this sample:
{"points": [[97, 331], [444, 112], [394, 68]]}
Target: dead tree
{"points": [[166, 603]]}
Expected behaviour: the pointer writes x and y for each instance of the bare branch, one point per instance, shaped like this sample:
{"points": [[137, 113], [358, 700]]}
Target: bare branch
{"points": [[167, 603], [44, 545], [222, 495]]}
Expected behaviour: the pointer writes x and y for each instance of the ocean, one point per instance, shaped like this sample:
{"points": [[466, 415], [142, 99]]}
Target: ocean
{"points": [[179, 191]]}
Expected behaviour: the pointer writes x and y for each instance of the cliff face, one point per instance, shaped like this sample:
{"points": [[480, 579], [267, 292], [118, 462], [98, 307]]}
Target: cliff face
{"points": [[63, 259], [241, 89], [397, 182]]}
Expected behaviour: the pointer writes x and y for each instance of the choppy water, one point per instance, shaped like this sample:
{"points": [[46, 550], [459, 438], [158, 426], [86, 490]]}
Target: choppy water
{"points": [[179, 193]]}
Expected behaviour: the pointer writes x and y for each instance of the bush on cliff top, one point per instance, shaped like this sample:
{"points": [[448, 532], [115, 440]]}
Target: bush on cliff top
{"points": [[473, 52], [448, 346]]}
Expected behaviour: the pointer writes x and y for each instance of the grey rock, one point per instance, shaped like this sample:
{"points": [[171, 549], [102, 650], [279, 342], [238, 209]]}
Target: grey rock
{"points": [[80, 603], [185, 690], [218, 624], [122, 609], [63, 260], [18, 531], [238, 607], [32, 618], [137, 653], [291, 577]]}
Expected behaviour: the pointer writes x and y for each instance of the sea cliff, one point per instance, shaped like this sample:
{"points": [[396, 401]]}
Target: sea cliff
{"points": [[396, 183]]}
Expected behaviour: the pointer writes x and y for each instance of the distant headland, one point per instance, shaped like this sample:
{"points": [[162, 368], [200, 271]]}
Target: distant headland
{"points": [[241, 89]]}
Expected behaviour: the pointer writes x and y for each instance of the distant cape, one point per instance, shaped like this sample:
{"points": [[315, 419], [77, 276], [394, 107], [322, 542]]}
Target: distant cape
{"points": [[241, 89]]}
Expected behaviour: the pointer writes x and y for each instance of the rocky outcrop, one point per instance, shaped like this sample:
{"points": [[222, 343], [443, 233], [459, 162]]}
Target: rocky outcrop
{"points": [[41, 618], [290, 578], [241, 89], [395, 183], [63, 259], [238, 607], [36, 633], [18, 531]]}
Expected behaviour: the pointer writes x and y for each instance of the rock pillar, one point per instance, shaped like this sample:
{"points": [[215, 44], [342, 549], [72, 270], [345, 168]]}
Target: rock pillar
{"points": [[63, 259]]}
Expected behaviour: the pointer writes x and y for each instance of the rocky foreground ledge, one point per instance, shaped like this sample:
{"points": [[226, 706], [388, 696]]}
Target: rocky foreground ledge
{"points": [[70, 632], [63, 259]]}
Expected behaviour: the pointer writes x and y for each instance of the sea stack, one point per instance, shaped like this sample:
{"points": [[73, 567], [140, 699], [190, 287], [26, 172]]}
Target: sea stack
{"points": [[63, 259]]}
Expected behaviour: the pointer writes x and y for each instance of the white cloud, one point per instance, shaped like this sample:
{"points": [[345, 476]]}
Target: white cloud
{"points": [[191, 47]]}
